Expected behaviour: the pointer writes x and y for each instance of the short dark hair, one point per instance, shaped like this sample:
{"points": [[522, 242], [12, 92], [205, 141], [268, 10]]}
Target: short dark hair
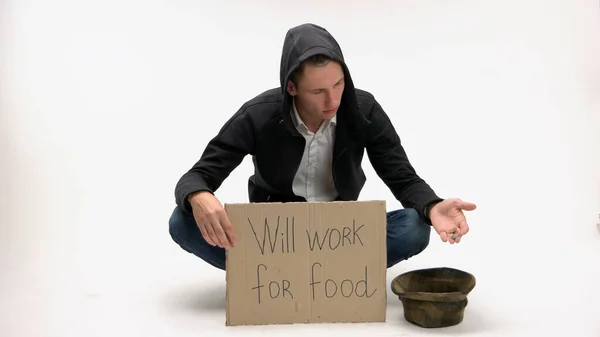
{"points": [[315, 60]]}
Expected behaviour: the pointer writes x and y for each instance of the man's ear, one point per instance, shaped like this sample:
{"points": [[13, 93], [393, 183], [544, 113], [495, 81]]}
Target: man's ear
{"points": [[291, 88]]}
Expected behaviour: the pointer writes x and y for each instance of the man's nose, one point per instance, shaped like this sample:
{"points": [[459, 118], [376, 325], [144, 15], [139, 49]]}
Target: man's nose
{"points": [[330, 99]]}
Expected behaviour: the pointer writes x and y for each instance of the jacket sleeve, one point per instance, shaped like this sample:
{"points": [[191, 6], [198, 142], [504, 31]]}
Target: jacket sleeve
{"points": [[221, 156], [390, 161]]}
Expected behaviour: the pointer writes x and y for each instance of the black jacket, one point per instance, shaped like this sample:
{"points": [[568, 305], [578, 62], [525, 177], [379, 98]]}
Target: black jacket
{"points": [[263, 128]]}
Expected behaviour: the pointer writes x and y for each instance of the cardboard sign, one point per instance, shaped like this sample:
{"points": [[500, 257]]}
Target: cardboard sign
{"points": [[307, 263]]}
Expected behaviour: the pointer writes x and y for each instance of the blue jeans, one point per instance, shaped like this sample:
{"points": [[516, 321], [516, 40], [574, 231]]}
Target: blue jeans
{"points": [[407, 235]]}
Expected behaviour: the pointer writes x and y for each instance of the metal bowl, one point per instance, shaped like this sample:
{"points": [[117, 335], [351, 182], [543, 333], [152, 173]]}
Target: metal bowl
{"points": [[434, 297]]}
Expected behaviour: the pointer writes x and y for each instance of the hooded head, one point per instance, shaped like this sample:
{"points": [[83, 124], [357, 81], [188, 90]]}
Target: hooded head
{"points": [[313, 71]]}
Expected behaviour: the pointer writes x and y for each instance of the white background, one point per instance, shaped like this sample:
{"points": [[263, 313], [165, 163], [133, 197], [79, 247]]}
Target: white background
{"points": [[105, 104]]}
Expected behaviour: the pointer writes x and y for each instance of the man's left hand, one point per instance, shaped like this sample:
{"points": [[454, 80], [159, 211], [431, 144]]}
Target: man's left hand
{"points": [[447, 218]]}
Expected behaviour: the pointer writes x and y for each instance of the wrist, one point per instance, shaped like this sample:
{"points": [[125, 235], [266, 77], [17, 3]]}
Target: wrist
{"points": [[195, 195], [430, 207]]}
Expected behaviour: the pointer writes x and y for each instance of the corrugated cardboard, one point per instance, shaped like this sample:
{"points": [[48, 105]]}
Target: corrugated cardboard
{"points": [[307, 263]]}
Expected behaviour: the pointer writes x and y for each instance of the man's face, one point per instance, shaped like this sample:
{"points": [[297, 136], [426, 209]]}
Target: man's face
{"points": [[319, 91]]}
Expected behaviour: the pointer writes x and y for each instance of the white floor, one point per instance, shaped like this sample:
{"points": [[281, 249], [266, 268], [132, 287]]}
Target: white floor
{"points": [[106, 277], [104, 105]]}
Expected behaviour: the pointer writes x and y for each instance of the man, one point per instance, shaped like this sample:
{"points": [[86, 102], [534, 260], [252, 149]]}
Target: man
{"points": [[307, 140]]}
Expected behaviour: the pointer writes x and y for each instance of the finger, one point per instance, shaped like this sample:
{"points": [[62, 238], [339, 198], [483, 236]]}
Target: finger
{"points": [[205, 234], [467, 206], [209, 221], [453, 235], [214, 227], [444, 236], [464, 228], [451, 238], [201, 223], [458, 239], [228, 228], [213, 236], [220, 234]]}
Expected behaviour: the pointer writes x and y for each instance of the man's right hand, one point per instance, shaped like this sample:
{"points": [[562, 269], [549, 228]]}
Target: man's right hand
{"points": [[212, 220]]}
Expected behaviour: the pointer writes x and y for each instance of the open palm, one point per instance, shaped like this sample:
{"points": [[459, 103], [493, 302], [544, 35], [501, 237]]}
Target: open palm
{"points": [[447, 217]]}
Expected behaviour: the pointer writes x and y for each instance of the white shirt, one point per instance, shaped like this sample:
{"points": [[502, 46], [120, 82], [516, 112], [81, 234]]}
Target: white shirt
{"points": [[314, 180]]}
